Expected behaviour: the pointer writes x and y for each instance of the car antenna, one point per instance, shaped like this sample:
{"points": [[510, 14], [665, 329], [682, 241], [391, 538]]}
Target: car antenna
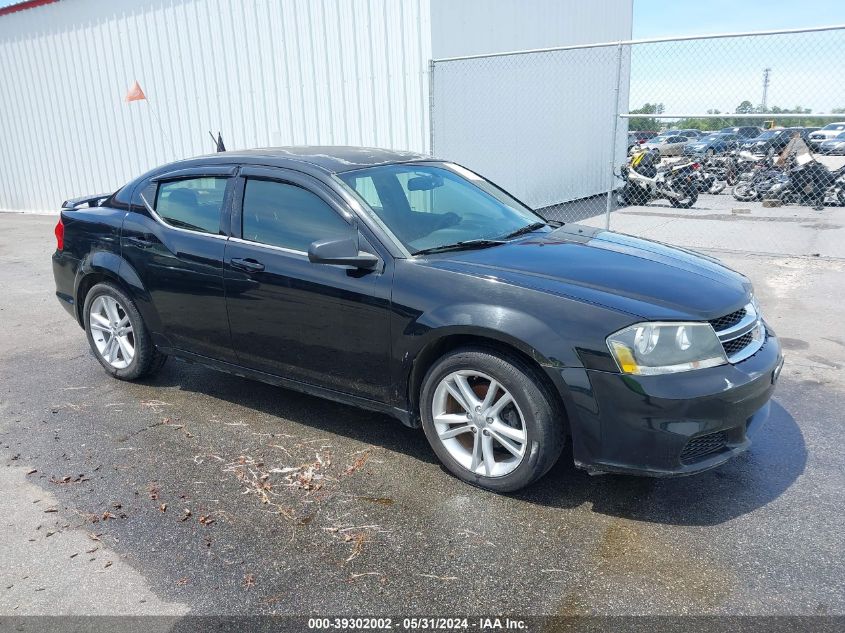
{"points": [[218, 142]]}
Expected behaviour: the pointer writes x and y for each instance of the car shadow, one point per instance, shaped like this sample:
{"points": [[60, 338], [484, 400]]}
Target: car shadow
{"points": [[750, 481], [318, 413], [777, 458]]}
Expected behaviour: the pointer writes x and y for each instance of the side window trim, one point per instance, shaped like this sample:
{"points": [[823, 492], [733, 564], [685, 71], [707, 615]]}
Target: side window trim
{"points": [[192, 174]]}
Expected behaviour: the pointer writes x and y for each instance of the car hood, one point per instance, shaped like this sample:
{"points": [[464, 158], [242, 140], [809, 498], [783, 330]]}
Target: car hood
{"points": [[643, 278]]}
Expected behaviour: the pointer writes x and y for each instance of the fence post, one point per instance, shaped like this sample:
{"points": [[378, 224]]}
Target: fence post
{"points": [[614, 129], [431, 107]]}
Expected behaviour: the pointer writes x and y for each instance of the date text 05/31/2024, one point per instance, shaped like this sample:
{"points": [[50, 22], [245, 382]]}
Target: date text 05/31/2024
{"points": [[418, 624]]}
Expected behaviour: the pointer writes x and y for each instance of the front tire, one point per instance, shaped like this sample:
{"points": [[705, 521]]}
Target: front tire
{"points": [[490, 420], [744, 192], [117, 334]]}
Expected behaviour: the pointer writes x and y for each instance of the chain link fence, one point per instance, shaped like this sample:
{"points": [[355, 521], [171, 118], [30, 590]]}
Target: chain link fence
{"points": [[723, 142]]}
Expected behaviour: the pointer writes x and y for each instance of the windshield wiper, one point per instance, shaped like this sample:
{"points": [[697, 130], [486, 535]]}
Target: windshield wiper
{"points": [[525, 229], [464, 245]]}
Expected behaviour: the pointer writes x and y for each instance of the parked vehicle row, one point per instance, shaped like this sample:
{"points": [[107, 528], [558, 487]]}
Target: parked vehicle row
{"points": [[829, 132], [828, 140], [691, 142]]}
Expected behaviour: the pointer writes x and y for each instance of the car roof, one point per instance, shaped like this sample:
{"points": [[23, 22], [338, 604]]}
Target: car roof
{"points": [[328, 158]]}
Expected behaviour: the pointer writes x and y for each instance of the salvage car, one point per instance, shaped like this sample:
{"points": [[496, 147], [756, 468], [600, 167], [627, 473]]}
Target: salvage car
{"points": [[665, 144], [828, 132], [836, 145], [417, 288]]}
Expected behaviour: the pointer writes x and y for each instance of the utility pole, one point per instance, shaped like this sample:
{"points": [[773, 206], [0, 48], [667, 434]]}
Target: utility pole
{"points": [[766, 72]]}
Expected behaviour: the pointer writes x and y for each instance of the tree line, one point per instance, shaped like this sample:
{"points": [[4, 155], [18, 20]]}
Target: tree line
{"points": [[784, 117]]}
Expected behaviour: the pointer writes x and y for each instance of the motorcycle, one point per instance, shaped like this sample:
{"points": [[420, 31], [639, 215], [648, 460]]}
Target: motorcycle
{"points": [[813, 184], [708, 180], [645, 182], [756, 184]]}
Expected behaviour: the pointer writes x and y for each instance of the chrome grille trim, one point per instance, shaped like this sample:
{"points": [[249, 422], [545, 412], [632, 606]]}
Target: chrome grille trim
{"points": [[745, 324], [750, 324]]}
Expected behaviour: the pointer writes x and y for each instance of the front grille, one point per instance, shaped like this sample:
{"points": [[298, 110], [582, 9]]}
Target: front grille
{"points": [[703, 445], [741, 333], [737, 344], [729, 320]]}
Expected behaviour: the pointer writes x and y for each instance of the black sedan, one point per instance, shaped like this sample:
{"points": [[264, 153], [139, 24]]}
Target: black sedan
{"points": [[417, 288], [772, 141]]}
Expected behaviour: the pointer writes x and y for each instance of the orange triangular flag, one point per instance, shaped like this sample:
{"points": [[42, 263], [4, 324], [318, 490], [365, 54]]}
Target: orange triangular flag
{"points": [[135, 93]]}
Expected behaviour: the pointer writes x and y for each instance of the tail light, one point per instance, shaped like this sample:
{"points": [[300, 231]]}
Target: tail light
{"points": [[696, 165], [60, 235]]}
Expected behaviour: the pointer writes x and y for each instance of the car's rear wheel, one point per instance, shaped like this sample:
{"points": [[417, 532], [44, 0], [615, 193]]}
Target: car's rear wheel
{"points": [[490, 420], [117, 335]]}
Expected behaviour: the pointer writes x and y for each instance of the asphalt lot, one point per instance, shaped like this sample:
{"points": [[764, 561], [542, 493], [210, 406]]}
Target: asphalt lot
{"points": [[723, 223], [175, 495]]}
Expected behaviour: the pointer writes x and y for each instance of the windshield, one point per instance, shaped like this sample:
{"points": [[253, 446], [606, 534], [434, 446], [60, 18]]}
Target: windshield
{"points": [[834, 126], [428, 206]]}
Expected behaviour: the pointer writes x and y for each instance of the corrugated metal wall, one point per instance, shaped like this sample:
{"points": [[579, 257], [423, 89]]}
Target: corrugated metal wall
{"points": [[474, 27], [264, 72], [539, 124]]}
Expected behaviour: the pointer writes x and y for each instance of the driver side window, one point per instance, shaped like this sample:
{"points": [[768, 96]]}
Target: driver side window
{"points": [[285, 215]]}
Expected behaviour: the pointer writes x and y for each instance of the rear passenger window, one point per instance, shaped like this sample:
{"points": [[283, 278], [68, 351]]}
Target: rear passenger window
{"points": [[280, 214], [193, 203]]}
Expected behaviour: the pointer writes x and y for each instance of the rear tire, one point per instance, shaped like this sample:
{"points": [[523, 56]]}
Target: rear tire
{"points": [[117, 334], [523, 438]]}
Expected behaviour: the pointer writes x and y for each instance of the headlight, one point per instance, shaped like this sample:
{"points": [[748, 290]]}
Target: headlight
{"points": [[649, 349]]}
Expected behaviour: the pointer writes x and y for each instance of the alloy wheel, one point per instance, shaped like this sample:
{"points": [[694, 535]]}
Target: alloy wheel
{"points": [[112, 332], [479, 423]]}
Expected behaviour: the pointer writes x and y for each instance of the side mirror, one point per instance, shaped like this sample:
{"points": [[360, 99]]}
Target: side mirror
{"points": [[342, 252]]}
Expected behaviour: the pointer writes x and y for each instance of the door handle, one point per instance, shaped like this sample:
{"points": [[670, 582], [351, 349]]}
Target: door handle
{"points": [[140, 242], [248, 265]]}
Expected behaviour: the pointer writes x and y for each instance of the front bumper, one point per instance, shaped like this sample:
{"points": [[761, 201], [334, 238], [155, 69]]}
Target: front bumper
{"points": [[676, 424]]}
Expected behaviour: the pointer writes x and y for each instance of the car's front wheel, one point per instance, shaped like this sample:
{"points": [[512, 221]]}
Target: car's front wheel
{"points": [[117, 335], [490, 420]]}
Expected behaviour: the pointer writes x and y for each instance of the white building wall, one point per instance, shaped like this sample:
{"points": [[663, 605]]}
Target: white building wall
{"points": [[473, 27], [264, 72], [539, 124], [284, 72]]}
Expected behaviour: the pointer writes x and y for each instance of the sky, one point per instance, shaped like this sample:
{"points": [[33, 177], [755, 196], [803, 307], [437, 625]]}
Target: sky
{"points": [[696, 76], [665, 18]]}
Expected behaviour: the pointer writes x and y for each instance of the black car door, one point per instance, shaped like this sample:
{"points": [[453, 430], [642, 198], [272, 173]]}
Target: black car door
{"points": [[176, 248], [321, 324]]}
